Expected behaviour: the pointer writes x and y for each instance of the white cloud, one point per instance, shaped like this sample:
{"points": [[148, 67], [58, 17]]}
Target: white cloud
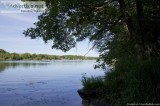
{"points": [[16, 23], [24, 17]]}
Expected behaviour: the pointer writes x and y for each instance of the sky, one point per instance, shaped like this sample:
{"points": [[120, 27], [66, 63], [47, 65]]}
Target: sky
{"points": [[12, 40]]}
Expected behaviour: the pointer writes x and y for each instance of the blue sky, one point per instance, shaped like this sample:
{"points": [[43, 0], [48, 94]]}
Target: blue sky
{"points": [[12, 39]]}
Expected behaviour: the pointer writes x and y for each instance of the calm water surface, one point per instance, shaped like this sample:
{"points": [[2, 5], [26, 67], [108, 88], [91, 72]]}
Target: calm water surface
{"points": [[43, 83]]}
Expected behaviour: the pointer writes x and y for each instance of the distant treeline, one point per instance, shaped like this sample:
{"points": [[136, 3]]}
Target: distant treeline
{"points": [[4, 55]]}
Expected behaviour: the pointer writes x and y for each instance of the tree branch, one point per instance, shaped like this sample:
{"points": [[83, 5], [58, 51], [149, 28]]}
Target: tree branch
{"points": [[129, 23]]}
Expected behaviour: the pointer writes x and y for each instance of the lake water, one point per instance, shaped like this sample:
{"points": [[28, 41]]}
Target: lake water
{"points": [[43, 83]]}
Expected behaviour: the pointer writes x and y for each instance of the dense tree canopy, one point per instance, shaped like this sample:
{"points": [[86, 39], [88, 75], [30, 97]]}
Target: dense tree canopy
{"points": [[124, 32], [132, 23]]}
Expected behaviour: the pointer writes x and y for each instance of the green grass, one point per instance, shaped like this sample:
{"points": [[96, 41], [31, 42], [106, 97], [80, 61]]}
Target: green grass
{"points": [[131, 81], [92, 82]]}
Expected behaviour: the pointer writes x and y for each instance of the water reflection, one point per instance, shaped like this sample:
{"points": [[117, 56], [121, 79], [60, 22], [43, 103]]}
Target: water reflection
{"points": [[2, 67], [13, 64], [43, 83], [26, 64]]}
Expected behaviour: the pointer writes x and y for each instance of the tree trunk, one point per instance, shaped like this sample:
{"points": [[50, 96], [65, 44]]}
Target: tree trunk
{"points": [[140, 16], [129, 23]]}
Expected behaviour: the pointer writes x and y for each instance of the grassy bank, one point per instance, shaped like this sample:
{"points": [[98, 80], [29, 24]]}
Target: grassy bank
{"points": [[131, 81]]}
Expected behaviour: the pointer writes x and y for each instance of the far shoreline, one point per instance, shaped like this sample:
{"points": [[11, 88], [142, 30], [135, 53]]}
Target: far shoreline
{"points": [[6, 56]]}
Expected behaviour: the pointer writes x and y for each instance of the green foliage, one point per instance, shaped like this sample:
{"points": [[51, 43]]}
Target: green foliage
{"points": [[118, 26], [124, 32], [92, 83], [66, 22], [134, 81], [15, 56], [4, 55], [27, 56], [3, 51]]}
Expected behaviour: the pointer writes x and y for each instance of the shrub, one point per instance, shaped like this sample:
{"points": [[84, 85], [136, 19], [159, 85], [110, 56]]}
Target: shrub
{"points": [[92, 82], [134, 81]]}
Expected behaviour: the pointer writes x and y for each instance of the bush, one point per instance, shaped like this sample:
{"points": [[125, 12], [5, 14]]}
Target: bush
{"points": [[134, 81], [92, 83]]}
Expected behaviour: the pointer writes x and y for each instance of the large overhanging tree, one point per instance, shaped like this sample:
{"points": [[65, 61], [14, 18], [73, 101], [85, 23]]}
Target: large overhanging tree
{"points": [[116, 28], [124, 32]]}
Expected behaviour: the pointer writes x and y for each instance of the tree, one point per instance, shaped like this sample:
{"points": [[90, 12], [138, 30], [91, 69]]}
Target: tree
{"points": [[3, 51], [26, 56], [67, 22], [15, 56], [124, 32]]}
